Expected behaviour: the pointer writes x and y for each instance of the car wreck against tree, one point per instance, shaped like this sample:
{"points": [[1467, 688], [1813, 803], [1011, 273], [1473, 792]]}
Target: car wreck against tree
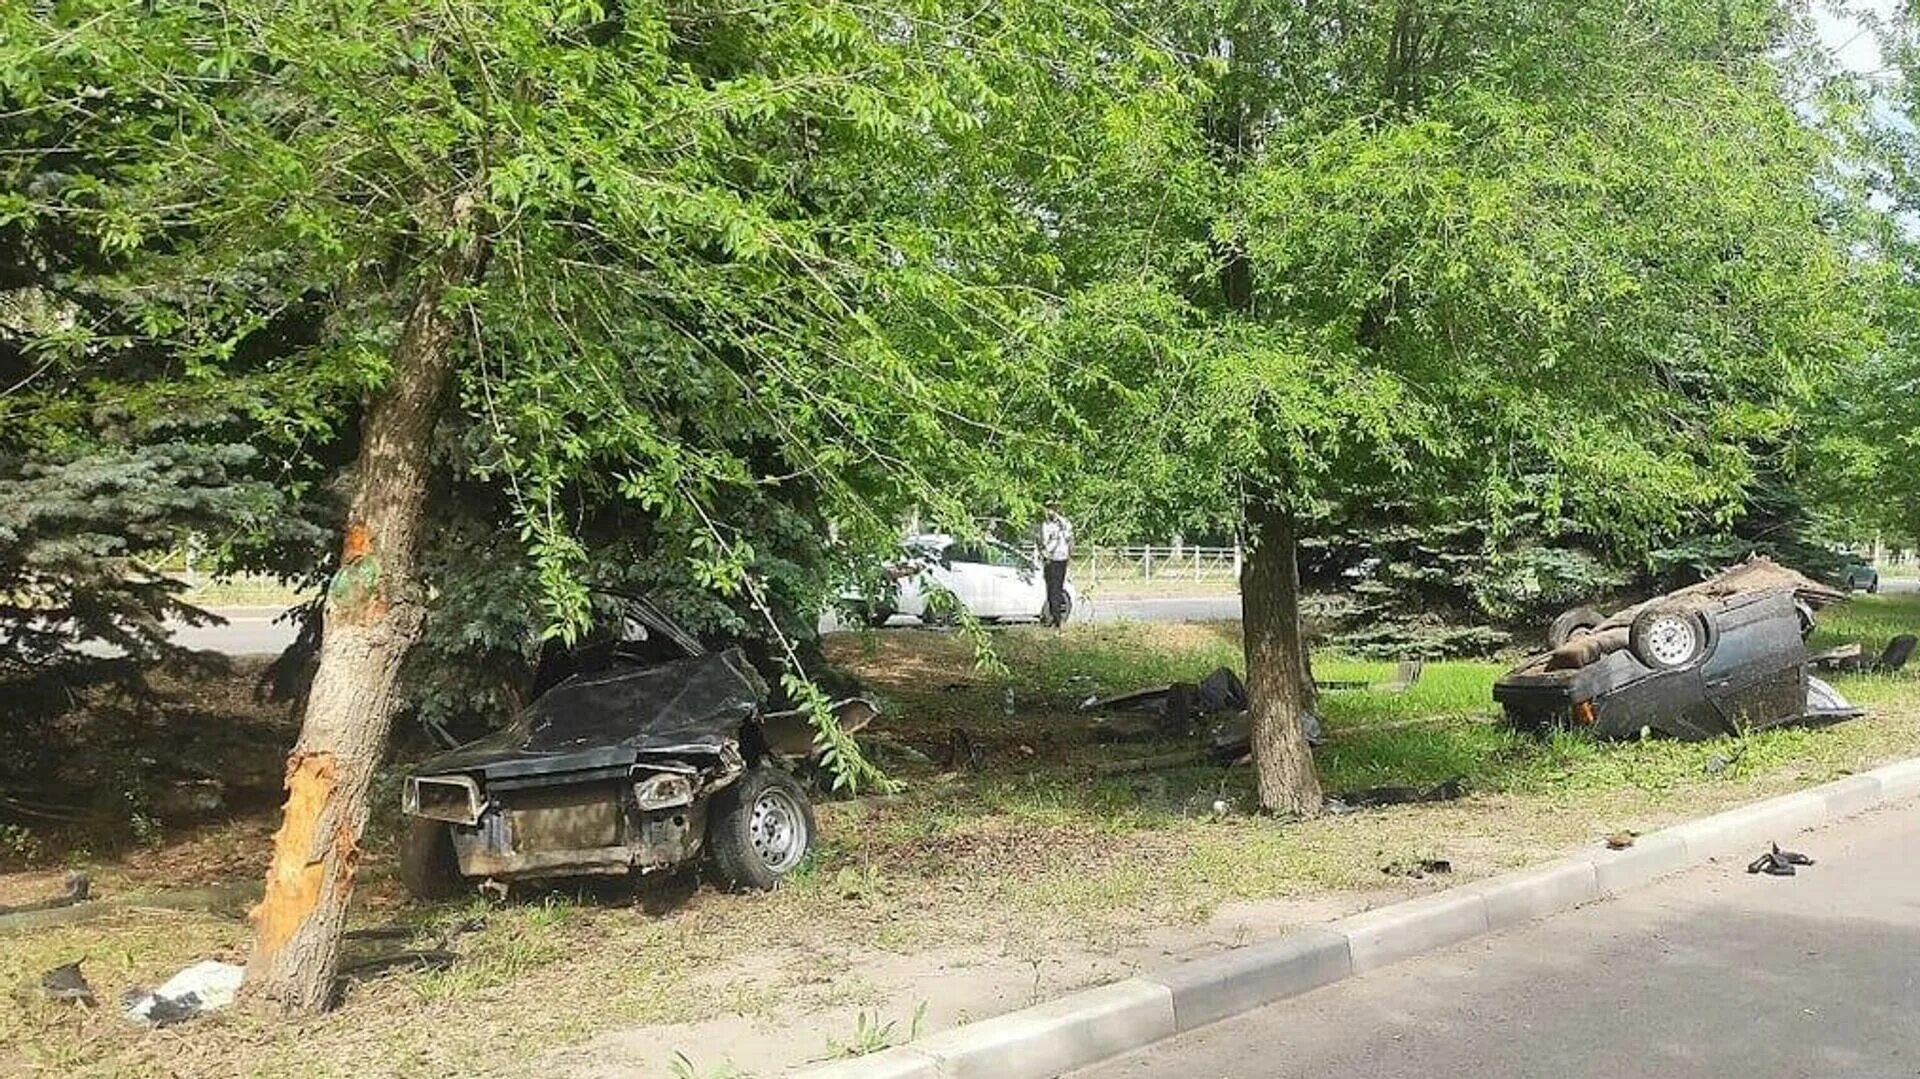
{"points": [[630, 763], [1720, 657]]}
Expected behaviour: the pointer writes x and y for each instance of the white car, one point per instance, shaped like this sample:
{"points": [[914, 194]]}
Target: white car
{"points": [[993, 580]]}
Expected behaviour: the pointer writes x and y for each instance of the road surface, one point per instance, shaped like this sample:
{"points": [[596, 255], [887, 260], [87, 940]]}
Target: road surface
{"points": [[1709, 974], [255, 630]]}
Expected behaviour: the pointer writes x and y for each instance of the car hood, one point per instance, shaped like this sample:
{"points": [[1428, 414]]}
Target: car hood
{"points": [[691, 705]]}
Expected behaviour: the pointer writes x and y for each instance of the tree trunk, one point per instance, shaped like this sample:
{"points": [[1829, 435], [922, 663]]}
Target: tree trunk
{"points": [[373, 614], [1279, 687]]}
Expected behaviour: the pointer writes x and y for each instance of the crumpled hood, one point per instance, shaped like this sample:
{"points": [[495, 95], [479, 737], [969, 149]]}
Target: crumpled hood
{"points": [[693, 705]]}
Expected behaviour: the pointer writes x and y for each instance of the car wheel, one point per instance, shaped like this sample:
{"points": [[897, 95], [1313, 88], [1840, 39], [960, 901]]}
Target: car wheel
{"points": [[1667, 639], [1873, 587], [1573, 623], [428, 868], [759, 829], [1066, 610], [878, 614]]}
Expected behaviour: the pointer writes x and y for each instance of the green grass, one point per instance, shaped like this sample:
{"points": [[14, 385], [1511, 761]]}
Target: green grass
{"points": [[1869, 620]]}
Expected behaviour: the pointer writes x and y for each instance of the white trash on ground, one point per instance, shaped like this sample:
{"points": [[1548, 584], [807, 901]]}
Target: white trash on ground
{"points": [[206, 986]]}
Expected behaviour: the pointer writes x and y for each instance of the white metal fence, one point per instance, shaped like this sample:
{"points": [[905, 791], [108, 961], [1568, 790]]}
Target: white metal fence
{"points": [[1093, 565]]}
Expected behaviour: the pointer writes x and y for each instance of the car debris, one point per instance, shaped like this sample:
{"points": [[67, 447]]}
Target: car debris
{"points": [[77, 889], [64, 984], [1418, 868], [1720, 657], [653, 753], [1778, 863], [1375, 797], [1406, 674], [1215, 706], [206, 986], [1848, 657]]}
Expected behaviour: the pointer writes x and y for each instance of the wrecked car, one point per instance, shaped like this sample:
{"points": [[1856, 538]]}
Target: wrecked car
{"points": [[1720, 657], [652, 753]]}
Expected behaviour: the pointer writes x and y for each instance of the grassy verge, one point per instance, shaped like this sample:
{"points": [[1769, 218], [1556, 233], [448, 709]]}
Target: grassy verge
{"points": [[1036, 854]]}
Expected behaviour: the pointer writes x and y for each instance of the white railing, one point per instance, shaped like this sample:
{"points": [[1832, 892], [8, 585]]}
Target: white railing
{"points": [[1094, 565]]}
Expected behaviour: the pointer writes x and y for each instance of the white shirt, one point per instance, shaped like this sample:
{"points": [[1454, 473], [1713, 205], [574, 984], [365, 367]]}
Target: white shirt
{"points": [[1056, 538]]}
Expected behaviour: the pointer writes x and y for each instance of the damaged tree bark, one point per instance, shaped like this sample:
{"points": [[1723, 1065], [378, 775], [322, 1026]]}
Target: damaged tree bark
{"points": [[373, 614], [1279, 684]]}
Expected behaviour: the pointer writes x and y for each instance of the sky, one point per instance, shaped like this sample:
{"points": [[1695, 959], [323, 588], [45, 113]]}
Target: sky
{"points": [[1844, 31]]}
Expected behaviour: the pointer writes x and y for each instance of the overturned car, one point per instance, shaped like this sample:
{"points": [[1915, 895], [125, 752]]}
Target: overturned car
{"points": [[1720, 657], [631, 763]]}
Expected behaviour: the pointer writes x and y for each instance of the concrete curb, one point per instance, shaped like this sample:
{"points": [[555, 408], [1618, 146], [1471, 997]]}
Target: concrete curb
{"points": [[1095, 1024]]}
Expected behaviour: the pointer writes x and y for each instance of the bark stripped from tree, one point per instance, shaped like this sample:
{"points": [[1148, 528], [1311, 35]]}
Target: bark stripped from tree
{"points": [[1279, 684], [373, 614]]}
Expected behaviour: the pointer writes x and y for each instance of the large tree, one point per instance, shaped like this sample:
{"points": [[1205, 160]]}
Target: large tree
{"points": [[1555, 262], [669, 255]]}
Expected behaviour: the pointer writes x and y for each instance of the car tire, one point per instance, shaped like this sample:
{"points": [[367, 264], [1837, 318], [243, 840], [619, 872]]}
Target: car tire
{"points": [[877, 615], [1873, 587], [428, 868], [1668, 638], [759, 830], [1572, 623]]}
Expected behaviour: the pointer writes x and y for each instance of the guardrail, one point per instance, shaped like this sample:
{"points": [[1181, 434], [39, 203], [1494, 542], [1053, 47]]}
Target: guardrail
{"points": [[1095, 565]]}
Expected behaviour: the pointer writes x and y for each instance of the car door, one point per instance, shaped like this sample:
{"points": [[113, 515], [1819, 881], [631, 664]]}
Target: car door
{"points": [[970, 575], [1019, 589]]}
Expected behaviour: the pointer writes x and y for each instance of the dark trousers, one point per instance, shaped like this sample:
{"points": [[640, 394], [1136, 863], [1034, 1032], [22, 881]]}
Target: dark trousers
{"points": [[1056, 576]]}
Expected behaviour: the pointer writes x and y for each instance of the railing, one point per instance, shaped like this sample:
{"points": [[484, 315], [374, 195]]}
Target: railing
{"points": [[1093, 566]]}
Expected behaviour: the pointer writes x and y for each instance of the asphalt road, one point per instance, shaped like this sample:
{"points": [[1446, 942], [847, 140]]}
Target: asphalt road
{"points": [[255, 630], [1709, 974]]}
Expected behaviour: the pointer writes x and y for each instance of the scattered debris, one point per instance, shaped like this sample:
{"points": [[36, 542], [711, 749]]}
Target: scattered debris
{"points": [[62, 983], [1621, 840], [1405, 675], [416, 958], [1849, 657], [1778, 863], [1155, 763], [963, 752], [78, 890], [1418, 869], [1374, 797], [206, 986]]}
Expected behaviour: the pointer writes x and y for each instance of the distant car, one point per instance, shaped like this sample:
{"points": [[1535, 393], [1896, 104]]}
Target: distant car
{"points": [[1860, 577], [993, 580], [652, 752], [1720, 657]]}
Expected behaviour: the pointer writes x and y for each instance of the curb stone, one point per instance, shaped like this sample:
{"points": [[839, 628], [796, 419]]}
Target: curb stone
{"points": [[1096, 1024]]}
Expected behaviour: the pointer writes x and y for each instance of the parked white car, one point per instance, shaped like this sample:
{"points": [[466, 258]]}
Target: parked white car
{"points": [[995, 581]]}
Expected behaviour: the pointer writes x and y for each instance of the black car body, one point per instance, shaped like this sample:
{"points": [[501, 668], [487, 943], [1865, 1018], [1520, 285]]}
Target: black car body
{"points": [[1719, 658], [631, 763]]}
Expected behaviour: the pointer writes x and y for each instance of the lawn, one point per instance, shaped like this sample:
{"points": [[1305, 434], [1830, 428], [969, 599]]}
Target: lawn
{"points": [[975, 890]]}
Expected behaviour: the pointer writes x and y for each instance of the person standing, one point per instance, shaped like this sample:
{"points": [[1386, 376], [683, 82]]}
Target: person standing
{"points": [[1056, 547]]}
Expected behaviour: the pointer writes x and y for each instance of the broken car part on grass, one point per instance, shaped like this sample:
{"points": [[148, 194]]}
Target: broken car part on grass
{"points": [[1720, 657], [1215, 706], [633, 762]]}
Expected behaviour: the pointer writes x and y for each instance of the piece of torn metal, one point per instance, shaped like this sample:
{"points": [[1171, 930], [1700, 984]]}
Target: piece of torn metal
{"points": [[64, 984]]}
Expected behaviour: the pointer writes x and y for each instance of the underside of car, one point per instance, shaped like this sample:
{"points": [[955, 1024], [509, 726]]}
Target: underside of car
{"points": [[1722, 657]]}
